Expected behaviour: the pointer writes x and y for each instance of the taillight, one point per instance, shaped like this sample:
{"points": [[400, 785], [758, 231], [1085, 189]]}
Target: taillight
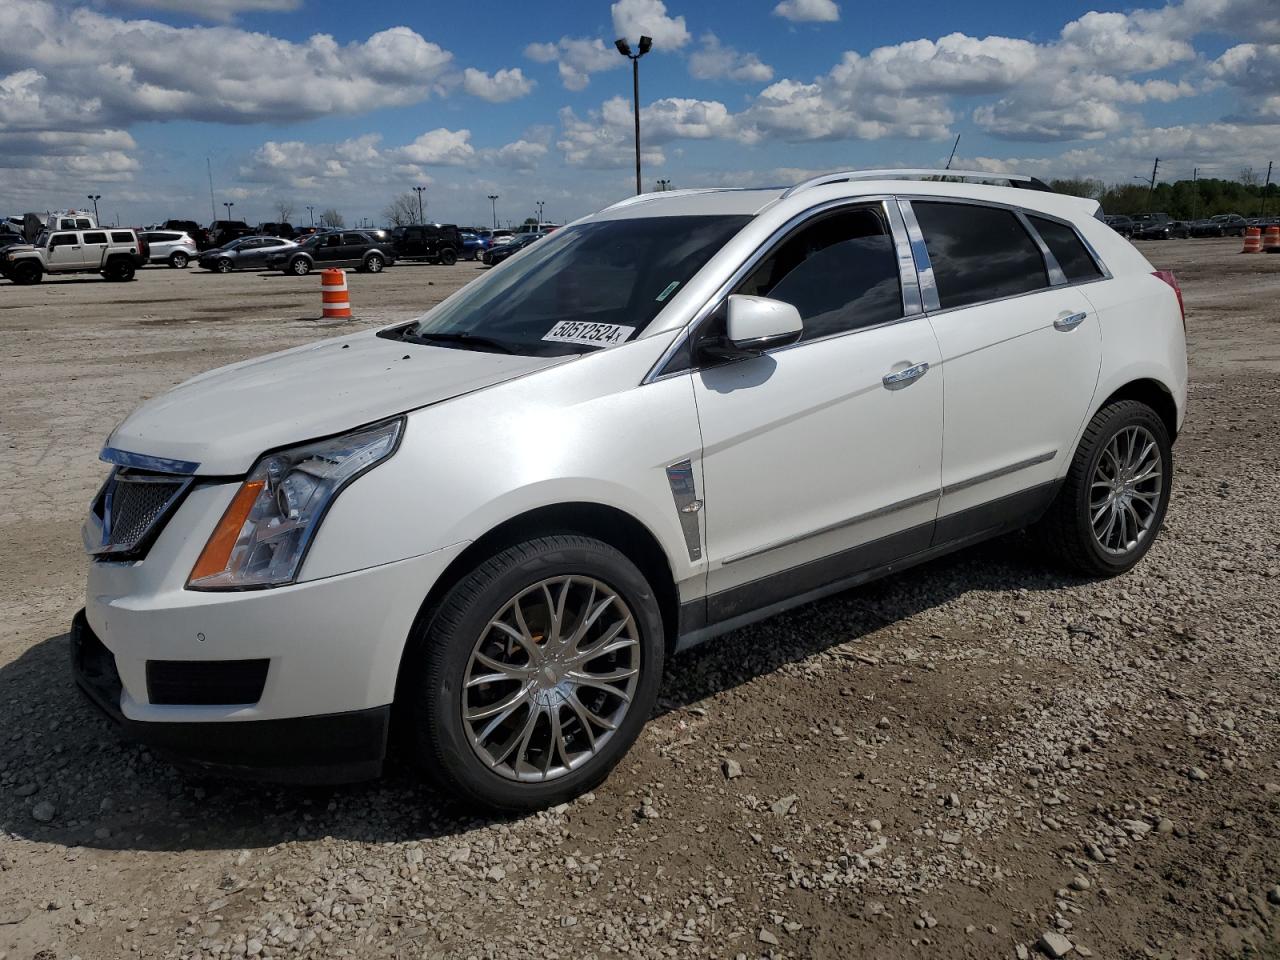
{"points": [[1168, 277]]}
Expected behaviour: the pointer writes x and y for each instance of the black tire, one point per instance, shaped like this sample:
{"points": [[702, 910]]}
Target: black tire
{"points": [[223, 265], [179, 260], [430, 692], [26, 273], [1067, 530], [448, 256], [299, 266], [374, 263], [119, 271]]}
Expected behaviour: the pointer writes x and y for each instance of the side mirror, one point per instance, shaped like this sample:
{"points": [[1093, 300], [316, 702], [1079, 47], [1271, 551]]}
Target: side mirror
{"points": [[754, 325]]}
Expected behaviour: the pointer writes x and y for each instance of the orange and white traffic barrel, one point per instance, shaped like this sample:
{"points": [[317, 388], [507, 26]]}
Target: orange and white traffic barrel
{"points": [[333, 291], [1252, 240], [1271, 240]]}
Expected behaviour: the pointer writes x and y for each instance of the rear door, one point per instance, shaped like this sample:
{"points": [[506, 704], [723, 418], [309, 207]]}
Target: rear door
{"points": [[95, 247], [1021, 349], [354, 246]]}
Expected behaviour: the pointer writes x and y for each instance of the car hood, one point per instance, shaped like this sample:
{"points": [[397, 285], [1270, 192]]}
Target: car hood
{"points": [[223, 420]]}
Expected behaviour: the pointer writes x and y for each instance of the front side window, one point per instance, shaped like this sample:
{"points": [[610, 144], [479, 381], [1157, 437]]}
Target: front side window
{"points": [[840, 272], [978, 253], [1067, 248], [596, 284], [63, 240]]}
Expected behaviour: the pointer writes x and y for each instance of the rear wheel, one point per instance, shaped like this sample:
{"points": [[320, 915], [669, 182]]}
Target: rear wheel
{"points": [[1115, 495], [179, 260], [448, 256], [119, 271], [535, 673]]}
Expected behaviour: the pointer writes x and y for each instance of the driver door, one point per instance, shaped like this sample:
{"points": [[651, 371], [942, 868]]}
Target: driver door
{"points": [[66, 252], [823, 459]]}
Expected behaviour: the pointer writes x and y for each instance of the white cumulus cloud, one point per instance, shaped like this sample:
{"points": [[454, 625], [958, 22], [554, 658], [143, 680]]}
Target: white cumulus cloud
{"points": [[498, 87], [808, 11]]}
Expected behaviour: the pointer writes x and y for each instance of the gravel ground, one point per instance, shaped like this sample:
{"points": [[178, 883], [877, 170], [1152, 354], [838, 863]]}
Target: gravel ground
{"points": [[978, 758]]}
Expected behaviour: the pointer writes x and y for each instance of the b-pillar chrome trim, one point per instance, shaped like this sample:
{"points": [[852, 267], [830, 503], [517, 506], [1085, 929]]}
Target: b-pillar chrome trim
{"points": [[920, 253], [685, 495]]}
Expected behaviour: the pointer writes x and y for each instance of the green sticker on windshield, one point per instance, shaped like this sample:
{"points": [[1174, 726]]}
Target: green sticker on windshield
{"points": [[671, 288]]}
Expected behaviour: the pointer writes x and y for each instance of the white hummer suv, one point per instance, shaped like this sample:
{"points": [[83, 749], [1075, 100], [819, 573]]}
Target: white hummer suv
{"points": [[114, 252], [487, 530]]}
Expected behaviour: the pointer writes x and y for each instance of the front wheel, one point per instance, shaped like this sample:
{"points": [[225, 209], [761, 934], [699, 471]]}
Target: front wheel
{"points": [[224, 265], [535, 673], [374, 263], [179, 260], [1113, 501], [300, 267]]}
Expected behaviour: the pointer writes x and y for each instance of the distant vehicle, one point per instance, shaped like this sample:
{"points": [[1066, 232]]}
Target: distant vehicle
{"points": [[1120, 224], [473, 245], [284, 231], [1158, 226], [115, 253], [433, 242], [246, 253], [222, 232], [170, 246], [192, 229], [301, 233], [496, 254], [70, 220], [337, 248], [542, 228], [1223, 225]]}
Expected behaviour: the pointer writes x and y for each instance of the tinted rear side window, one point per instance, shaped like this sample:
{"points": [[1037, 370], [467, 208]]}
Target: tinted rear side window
{"points": [[978, 253], [95, 238], [121, 236], [1067, 248]]}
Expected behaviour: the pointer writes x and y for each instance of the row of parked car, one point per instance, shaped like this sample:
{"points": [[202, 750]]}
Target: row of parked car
{"points": [[74, 243], [1160, 226]]}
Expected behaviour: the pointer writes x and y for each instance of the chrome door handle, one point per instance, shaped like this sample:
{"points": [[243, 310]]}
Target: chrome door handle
{"points": [[1066, 324], [903, 377]]}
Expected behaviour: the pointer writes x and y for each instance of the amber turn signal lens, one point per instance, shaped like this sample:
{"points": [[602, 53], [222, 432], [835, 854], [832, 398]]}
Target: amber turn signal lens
{"points": [[217, 552]]}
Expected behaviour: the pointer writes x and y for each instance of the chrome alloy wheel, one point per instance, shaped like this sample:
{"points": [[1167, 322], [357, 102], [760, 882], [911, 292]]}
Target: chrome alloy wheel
{"points": [[551, 678], [1124, 496]]}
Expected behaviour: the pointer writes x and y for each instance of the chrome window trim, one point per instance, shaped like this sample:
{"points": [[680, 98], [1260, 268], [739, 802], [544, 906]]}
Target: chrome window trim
{"points": [[920, 253], [142, 461], [909, 215], [658, 370], [1052, 270]]}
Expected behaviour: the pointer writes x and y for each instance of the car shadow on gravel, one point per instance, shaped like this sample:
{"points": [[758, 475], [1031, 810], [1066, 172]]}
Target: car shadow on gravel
{"points": [[67, 778]]}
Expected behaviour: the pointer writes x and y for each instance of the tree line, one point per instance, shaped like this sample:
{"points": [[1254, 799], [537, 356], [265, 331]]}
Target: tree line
{"points": [[1182, 199]]}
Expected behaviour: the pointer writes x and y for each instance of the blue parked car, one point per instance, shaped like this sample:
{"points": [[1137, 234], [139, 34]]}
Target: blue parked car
{"points": [[473, 245]]}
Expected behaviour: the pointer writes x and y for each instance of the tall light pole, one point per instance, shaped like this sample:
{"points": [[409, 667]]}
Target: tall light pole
{"points": [[493, 201], [540, 205], [311, 212], [228, 204], [664, 185], [95, 197], [624, 48], [418, 191]]}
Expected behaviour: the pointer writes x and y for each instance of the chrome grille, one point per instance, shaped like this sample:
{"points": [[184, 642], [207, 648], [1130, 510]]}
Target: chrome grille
{"points": [[133, 506]]}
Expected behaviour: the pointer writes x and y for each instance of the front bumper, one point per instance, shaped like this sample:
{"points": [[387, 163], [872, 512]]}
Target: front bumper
{"points": [[327, 748]]}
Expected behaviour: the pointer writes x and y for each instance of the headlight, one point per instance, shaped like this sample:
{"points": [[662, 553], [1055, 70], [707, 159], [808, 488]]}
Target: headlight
{"points": [[264, 534]]}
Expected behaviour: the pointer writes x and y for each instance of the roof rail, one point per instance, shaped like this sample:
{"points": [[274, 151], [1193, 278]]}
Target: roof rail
{"points": [[659, 194], [890, 173]]}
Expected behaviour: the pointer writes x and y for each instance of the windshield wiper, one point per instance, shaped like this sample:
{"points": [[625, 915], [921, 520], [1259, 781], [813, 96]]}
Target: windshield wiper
{"points": [[465, 339]]}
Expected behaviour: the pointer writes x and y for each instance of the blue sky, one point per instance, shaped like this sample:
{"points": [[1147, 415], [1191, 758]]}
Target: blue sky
{"points": [[324, 103]]}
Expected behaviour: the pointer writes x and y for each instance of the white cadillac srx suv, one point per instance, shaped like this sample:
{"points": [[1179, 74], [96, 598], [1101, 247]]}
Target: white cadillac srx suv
{"points": [[486, 531]]}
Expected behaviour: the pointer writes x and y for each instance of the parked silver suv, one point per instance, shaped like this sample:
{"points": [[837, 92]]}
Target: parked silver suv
{"points": [[116, 253]]}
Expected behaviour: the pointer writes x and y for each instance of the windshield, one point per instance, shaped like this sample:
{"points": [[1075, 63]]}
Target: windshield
{"points": [[594, 285]]}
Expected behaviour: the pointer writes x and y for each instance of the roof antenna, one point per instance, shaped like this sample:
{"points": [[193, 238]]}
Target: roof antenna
{"points": [[953, 152]]}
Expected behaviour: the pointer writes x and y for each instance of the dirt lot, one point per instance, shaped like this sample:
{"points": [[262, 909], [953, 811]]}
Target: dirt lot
{"points": [[947, 763]]}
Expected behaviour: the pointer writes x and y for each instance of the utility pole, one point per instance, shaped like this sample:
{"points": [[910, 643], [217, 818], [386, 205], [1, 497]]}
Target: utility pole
{"points": [[1151, 192], [228, 204], [493, 202], [418, 191], [213, 209], [624, 48], [1195, 190], [953, 152], [1266, 186]]}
